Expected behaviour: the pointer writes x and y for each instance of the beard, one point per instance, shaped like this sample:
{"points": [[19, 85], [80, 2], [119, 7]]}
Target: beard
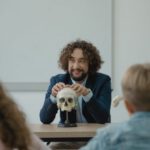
{"points": [[79, 78]]}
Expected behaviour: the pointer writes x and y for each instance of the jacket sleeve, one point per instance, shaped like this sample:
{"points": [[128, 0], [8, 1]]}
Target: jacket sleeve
{"points": [[49, 108], [99, 105]]}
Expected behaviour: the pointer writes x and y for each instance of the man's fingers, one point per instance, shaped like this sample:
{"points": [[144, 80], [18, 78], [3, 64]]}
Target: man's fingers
{"points": [[67, 85], [57, 87], [60, 85], [74, 86]]}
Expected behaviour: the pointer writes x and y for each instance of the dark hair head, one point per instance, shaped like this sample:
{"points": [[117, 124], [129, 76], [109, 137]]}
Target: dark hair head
{"points": [[90, 52], [13, 129]]}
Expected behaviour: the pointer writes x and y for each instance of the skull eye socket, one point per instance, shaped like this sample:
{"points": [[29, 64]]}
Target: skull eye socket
{"points": [[70, 100], [61, 100]]}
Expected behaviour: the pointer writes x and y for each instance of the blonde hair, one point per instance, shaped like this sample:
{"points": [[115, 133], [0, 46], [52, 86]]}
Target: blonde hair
{"points": [[14, 132], [136, 86]]}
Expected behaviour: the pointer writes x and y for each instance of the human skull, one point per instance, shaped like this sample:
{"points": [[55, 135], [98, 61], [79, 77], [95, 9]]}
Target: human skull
{"points": [[66, 99]]}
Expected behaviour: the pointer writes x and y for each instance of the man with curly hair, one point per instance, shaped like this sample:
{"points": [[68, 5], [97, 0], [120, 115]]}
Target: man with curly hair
{"points": [[81, 61]]}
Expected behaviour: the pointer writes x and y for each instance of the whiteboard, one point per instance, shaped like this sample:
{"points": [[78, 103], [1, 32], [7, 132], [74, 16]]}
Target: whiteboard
{"points": [[33, 32]]}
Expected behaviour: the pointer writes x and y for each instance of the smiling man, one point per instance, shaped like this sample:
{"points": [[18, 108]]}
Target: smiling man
{"points": [[81, 61]]}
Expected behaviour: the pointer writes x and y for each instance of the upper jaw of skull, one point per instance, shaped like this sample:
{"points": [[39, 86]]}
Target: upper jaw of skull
{"points": [[66, 99]]}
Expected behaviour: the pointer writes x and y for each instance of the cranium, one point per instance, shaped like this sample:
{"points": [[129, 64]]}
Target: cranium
{"points": [[66, 99]]}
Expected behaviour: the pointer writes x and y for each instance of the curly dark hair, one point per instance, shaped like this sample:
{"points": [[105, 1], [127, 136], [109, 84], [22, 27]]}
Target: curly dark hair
{"points": [[90, 52], [14, 132]]}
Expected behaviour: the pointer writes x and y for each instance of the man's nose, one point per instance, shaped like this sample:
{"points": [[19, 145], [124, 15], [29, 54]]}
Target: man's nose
{"points": [[76, 64]]}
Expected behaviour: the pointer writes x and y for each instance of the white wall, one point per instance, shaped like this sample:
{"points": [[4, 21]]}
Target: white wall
{"points": [[131, 44], [32, 33]]}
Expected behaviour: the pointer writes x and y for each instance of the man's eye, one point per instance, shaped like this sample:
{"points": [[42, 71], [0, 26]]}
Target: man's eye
{"points": [[83, 61], [71, 60]]}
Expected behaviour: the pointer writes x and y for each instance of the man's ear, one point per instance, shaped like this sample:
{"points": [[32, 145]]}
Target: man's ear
{"points": [[130, 107]]}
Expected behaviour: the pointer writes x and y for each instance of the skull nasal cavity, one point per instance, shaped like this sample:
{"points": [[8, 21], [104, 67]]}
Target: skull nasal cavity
{"points": [[66, 104]]}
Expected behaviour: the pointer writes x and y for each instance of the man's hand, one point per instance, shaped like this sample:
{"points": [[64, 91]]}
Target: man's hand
{"points": [[80, 89], [57, 87]]}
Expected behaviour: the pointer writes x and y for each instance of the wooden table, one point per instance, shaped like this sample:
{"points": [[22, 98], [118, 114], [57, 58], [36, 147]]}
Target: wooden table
{"points": [[51, 132]]}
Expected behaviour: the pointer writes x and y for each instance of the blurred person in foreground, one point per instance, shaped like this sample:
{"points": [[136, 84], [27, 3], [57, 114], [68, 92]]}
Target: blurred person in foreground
{"points": [[133, 134], [14, 132]]}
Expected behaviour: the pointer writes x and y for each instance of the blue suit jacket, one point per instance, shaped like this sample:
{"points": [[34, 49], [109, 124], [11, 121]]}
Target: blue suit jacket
{"points": [[97, 110]]}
